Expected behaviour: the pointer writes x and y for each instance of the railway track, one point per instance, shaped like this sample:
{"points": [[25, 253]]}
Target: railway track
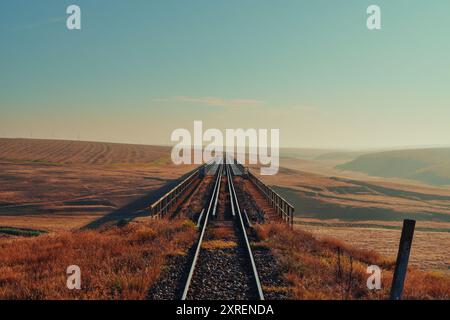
{"points": [[223, 265]]}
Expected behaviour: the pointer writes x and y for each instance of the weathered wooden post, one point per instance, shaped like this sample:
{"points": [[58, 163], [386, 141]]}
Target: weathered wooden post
{"points": [[291, 211], [401, 266]]}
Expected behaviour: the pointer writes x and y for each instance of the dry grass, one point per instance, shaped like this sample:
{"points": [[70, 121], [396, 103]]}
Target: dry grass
{"points": [[365, 212], [429, 251], [422, 225], [275, 289], [221, 232], [218, 244], [118, 263], [330, 269]]}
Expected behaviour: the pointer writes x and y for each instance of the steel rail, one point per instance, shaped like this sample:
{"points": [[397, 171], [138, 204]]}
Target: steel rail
{"points": [[247, 243], [233, 212], [213, 201], [247, 220], [200, 218], [220, 169]]}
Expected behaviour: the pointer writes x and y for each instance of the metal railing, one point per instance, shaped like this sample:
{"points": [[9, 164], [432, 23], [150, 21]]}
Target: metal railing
{"points": [[166, 202], [283, 208]]}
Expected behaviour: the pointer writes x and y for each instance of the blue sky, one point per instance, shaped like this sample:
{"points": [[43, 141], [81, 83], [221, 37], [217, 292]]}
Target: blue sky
{"points": [[139, 69]]}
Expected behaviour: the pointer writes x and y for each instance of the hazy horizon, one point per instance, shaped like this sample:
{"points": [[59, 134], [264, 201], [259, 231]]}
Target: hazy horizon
{"points": [[325, 149], [139, 70]]}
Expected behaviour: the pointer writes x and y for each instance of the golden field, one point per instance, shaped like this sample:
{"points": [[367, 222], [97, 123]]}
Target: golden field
{"points": [[78, 192], [368, 212], [115, 263], [332, 269], [124, 262], [429, 251], [65, 185]]}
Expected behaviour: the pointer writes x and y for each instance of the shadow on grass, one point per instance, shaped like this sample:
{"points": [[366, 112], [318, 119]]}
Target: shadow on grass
{"points": [[137, 208]]}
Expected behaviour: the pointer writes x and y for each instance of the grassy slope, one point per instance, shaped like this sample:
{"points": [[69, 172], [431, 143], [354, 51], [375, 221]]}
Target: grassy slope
{"points": [[431, 166], [124, 262], [362, 212], [116, 263], [330, 269]]}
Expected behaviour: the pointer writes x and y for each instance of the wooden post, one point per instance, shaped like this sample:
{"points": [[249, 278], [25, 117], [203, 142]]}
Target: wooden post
{"points": [[401, 267], [291, 212]]}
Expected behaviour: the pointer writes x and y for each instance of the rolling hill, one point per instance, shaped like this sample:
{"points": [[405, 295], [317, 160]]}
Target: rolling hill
{"points": [[55, 185], [431, 166], [79, 152]]}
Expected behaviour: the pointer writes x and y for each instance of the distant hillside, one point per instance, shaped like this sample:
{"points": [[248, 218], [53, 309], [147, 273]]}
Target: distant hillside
{"points": [[64, 151], [431, 166], [303, 153], [335, 155], [340, 155]]}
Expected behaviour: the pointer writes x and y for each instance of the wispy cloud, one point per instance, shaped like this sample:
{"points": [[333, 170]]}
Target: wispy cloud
{"points": [[214, 101]]}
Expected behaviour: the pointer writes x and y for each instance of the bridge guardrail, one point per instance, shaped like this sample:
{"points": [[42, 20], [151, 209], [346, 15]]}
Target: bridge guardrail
{"points": [[166, 202], [281, 206]]}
